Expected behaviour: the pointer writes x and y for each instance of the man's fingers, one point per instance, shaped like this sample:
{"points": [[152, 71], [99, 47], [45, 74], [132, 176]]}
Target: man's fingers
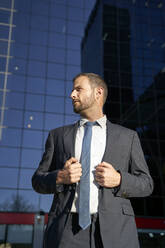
{"points": [[104, 165], [70, 161]]}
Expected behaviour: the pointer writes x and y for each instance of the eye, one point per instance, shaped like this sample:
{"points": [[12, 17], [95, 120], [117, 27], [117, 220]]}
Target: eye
{"points": [[78, 89]]}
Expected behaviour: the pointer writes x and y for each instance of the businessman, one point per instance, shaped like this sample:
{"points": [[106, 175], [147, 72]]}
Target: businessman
{"points": [[93, 168]]}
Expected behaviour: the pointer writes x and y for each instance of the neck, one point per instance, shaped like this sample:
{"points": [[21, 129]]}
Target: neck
{"points": [[92, 116]]}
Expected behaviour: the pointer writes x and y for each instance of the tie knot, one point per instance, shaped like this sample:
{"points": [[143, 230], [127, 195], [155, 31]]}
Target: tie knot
{"points": [[90, 124]]}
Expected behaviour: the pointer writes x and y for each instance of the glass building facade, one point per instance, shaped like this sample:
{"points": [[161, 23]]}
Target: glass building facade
{"points": [[39, 56], [42, 47], [124, 41]]}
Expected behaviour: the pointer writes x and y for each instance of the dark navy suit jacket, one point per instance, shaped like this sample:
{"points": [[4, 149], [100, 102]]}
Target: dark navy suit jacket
{"points": [[116, 216]]}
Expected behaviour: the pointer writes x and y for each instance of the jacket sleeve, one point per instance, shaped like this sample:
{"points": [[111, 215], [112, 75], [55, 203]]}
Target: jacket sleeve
{"points": [[44, 178], [137, 182]]}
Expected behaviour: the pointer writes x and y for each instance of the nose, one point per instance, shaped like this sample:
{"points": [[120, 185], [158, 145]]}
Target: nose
{"points": [[73, 94]]}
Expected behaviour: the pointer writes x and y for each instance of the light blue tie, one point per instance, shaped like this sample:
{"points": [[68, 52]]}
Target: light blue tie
{"points": [[84, 194]]}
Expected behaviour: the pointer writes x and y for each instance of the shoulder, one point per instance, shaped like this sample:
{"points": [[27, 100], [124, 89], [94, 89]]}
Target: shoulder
{"points": [[121, 129], [62, 129]]}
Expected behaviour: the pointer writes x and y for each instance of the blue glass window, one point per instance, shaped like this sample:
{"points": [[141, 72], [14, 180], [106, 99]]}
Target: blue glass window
{"points": [[76, 28], [20, 234], [4, 32], [21, 20], [33, 120], [6, 3], [11, 137], [53, 121], [69, 106], [14, 100], [76, 3], [34, 102], [38, 52], [20, 35], [56, 71], [8, 177], [73, 42], [56, 55], [58, 10], [17, 66], [55, 87], [30, 158], [9, 156], [36, 68], [70, 119], [3, 47], [45, 202], [13, 118], [58, 25], [39, 22], [32, 139], [23, 5], [16, 82], [2, 78], [72, 71], [35, 85], [38, 37], [40, 6], [57, 40], [75, 14], [3, 64], [19, 50], [73, 57], [31, 199], [69, 87], [4, 16], [25, 178], [6, 197], [55, 104]]}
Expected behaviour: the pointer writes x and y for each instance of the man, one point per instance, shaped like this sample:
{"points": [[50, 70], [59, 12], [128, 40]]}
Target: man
{"points": [[92, 167]]}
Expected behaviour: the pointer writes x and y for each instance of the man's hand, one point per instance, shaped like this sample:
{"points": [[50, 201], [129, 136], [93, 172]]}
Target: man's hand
{"points": [[107, 176], [71, 173]]}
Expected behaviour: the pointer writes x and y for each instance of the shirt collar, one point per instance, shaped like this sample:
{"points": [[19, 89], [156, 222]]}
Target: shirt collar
{"points": [[101, 121]]}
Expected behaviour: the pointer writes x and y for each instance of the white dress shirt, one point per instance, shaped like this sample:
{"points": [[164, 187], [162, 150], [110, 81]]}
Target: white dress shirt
{"points": [[98, 143]]}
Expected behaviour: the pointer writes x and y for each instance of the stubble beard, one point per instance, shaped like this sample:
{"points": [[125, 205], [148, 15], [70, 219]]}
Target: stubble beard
{"points": [[81, 107]]}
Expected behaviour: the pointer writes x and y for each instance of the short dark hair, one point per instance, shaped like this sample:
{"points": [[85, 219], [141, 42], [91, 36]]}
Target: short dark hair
{"points": [[95, 81]]}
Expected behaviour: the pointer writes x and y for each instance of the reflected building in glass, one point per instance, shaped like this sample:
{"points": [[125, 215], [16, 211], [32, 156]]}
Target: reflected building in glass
{"points": [[124, 42], [39, 56]]}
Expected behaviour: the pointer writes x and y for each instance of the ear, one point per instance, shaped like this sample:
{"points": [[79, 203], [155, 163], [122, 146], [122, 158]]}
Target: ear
{"points": [[99, 92]]}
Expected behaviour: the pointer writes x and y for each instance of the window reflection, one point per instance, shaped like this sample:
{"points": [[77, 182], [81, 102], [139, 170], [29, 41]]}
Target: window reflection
{"points": [[55, 87], [20, 234], [56, 70], [58, 25], [25, 178], [57, 39], [33, 120], [58, 10], [9, 156], [30, 158], [11, 137], [56, 55], [13, 118], [16, 82], [8, 175], [55, 104], [35, 85], [34, 102], [32, 139], [53, 121], [38, 52], [36, 68]]}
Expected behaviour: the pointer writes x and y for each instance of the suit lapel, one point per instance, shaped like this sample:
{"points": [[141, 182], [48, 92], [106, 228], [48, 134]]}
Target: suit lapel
{"points": [[110, 149], [69, 137]]}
